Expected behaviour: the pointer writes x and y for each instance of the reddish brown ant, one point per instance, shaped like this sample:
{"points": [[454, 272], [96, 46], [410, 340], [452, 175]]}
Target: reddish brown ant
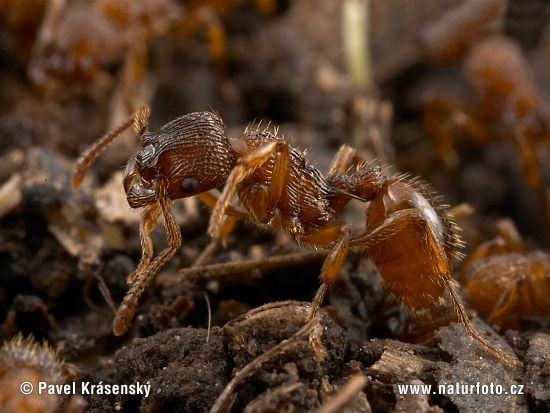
{"points": [[408, 235], [504, 281]]}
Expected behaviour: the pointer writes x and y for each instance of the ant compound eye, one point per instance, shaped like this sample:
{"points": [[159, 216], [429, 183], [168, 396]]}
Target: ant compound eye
{"points": [[189, 184]]}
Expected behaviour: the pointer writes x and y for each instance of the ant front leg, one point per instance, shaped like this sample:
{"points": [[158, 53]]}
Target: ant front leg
{"points": [[261, 208], [246, 165], [148, 224], [141, 277], [233, 212], [210, 199]]}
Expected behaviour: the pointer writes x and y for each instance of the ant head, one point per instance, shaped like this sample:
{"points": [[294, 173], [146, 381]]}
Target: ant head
{"points": [[189, 155]]}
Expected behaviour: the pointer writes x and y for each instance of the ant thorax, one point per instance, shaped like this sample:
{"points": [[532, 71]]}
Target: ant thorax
{"points": [[308, 202]]}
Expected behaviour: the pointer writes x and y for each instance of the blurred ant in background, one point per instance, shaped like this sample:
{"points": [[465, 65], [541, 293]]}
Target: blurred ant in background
{"points": [[80, 42], [505, 282], [77, 41], [507, 102], [408, 235], [19, 22]]}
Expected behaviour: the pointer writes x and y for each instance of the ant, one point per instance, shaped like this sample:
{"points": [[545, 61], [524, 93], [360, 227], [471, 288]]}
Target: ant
{"points": [[408, 235], [504, 84], [506, 282], [78, 42], [508, 105], [448, 39], [508, 101]]}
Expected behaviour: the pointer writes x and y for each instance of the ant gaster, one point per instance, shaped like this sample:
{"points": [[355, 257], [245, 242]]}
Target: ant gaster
{"points": [[408, 234]]}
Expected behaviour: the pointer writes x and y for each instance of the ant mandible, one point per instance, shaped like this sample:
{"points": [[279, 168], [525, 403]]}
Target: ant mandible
{"points": [[408, 235]]}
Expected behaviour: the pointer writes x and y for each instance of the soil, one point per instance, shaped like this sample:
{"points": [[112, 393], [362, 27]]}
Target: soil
{"points": [[238, 342]]}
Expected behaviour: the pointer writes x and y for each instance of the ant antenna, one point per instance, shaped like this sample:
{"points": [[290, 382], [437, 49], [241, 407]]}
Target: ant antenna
{"points": [[89, 155]]}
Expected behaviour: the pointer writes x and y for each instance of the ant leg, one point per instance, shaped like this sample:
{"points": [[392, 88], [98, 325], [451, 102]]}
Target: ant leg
{"points": [[528, 157], [508, 241], [89, 155], [334, 260], [263, 205], [245, 166], [215, 33], [279, 177], [45, 37], [211, 198], [394, 223], [342, 160], [210, 249], [444, 120], [206, 17], [469, 328], [129, 89], [173, 235], [496, 246], [260, 200], [506, 302], [510, 234], [148, 224], [389, 226]]}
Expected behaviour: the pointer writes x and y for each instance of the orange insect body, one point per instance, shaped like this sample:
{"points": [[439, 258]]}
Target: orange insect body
{"points": [[506, 283], [78, 41], [501, 77], [414, 260], [265, 181], [517, 283], [511, 106], [449, 38]]}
